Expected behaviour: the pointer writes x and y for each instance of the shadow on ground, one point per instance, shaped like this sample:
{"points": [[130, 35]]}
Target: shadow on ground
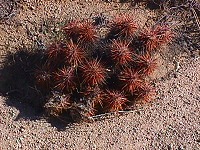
{"points": [[17, 84]]}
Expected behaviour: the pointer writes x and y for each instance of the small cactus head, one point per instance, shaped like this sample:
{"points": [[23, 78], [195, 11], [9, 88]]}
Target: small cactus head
{"points": [[130, 80], [120, 53], [146, 64], [72, 30], [156, 37], [74, 55], [55, 53], [122, 26], [65, 79], [93, 73], [115, 101], [81, 31], [87, 33]]}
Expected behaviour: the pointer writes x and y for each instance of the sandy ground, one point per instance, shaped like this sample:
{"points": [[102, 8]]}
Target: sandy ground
{"points": [[171, 122]]}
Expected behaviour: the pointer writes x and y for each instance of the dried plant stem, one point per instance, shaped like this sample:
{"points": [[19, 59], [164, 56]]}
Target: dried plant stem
{"points": [[106, 115]]}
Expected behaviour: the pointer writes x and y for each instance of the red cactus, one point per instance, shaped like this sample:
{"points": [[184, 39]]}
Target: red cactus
{"points": [[83, 32], [72, 29], [74, 55], [120, 53], [65, 79], [145, 93], [146, 63], [88, 32], [123, 26], [93, 73], [98, 89], [55, 52], [116, 101], [130, 79], [154, 38], [43, 77]]}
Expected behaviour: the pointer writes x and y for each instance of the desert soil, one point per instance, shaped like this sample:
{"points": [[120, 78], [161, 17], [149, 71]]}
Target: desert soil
{"points": [[171, 122]]}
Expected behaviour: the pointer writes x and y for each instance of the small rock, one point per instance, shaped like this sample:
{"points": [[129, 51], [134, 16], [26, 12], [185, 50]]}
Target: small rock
{"points": [[56, 29], [169, 147], [180, 147], [21, 129], [32, 8]]}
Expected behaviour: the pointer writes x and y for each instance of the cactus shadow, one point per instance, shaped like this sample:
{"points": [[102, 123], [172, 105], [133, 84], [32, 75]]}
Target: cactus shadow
{"points": [[16, 79], [17, 85]]}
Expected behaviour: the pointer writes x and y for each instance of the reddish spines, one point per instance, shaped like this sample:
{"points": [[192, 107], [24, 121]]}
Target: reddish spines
{"points": [[72, 29], [123, 26], [120, 53], [146, 64], [93, 72], [53, 51], [88, 33], [95, 89], [157, 36], [83, 32], [65, 79], [130, 80], [74, 55], [115, 100]]}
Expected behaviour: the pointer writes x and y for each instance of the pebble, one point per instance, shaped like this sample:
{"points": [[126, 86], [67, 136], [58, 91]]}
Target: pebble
{"points": [[169, 147], [21, 129], [32, 8], [180, 147]]}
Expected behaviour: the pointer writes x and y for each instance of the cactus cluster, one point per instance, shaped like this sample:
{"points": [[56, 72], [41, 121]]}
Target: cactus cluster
{"points": [[88, 75]]}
